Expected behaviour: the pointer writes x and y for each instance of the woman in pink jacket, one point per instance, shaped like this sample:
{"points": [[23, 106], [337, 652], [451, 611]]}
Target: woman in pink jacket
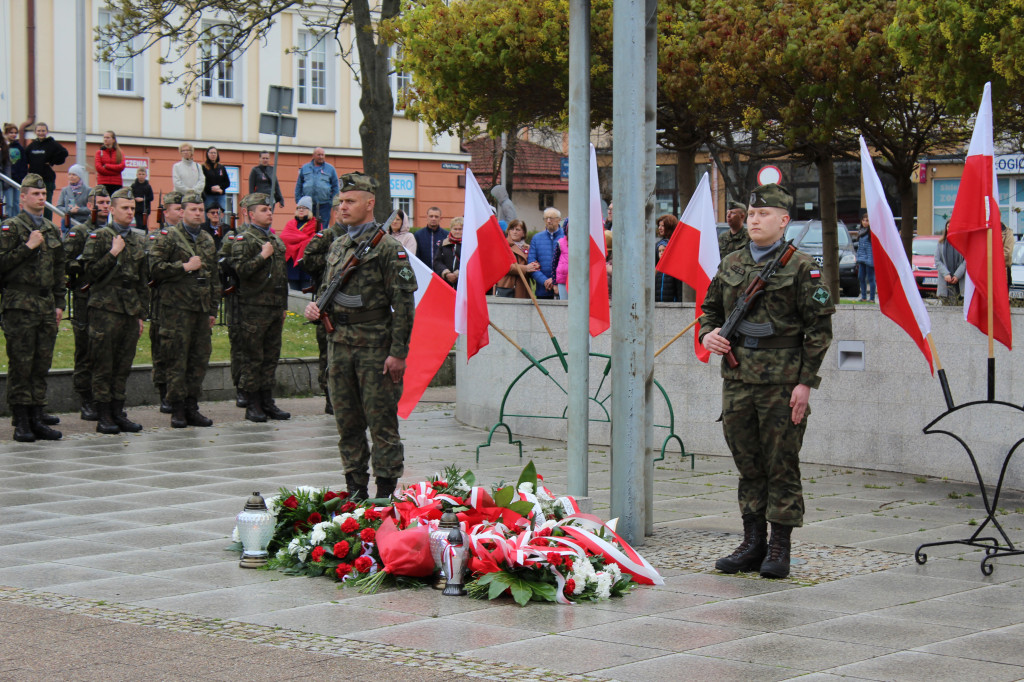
{"points": [[561, 263], [109, 163]]}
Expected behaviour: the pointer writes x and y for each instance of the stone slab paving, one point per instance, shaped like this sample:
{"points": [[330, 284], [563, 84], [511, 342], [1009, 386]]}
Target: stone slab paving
{"points": [[112, 566]]}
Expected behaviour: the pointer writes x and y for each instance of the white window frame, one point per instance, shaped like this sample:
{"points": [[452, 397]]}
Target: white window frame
{"points": [[404, 203], [212, 86], [123, 67], [398, 80], [306, 73]]}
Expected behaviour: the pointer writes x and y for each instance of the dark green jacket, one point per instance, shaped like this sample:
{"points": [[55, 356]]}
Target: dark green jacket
{"points": [[197, 291], [119, 283], [33, 279], [263, 281], [314, 258]]}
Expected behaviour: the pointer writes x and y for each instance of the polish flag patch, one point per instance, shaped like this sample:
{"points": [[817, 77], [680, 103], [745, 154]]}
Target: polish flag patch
{"points": [[815, 274]]}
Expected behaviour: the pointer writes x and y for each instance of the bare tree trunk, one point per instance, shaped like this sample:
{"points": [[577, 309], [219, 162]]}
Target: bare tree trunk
{"points": [[829, 222]]}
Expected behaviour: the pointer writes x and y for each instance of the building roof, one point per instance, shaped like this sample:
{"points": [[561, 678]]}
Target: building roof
{"points": [[536, 169]]}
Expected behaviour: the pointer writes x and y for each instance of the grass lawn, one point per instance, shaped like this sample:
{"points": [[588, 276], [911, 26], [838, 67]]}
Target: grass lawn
{"points": [[299, 342]]}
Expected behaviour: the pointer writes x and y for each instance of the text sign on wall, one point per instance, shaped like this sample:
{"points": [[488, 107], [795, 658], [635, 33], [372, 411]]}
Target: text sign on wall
{"points": [[132, 164], [403, 186], [233, 175], [1010, 164]]}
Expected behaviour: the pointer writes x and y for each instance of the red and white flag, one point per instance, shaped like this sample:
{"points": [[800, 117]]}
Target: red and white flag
{"points": [[486, 258], [433, 334], [898, 295], [600, 313], [975, 224], [692, 253]]}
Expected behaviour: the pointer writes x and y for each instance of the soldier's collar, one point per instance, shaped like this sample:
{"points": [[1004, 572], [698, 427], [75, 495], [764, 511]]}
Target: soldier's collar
{"points": [[355, 232]]}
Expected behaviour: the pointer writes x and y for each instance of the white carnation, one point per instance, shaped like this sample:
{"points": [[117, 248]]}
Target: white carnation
{"points": [[358, 513], [294, 546], [319, 533], [303, 553], [580, 586], [526, 487], [604, 585], [614, 571]]}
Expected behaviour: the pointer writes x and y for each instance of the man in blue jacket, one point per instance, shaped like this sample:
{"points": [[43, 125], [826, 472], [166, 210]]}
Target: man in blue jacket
{"points": [[542, 251], [319, 181], [430, 238]]}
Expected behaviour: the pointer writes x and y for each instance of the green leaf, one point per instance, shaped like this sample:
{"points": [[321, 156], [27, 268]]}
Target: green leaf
{"points": [[469, 478], [529, 475], [503, 497], [333, 504], [499, 585], [521, 507], [234, 547], [522, 591], [545, 591], [486, 578]]}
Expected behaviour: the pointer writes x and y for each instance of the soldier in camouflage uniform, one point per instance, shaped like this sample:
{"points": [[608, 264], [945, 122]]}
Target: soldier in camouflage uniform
{"points": [[117, 272], [32, 264], [184, 264], [736, 237], [230, 296], [765, 398], [314, 261], [258, 257], [172, 217], [372, 316], [74, 245]]}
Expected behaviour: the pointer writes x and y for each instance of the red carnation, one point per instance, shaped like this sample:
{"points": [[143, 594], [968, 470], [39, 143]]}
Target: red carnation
{"points": [[348, 507], [341, 549], [439, 485], [329, 495], [570, 587], [371, 514], [343, 495], [291, 503], [543, 532], [314, 518], [555, 559], [318, 553], [349, 525], [342, 570], [368, 535], [363, 564]]}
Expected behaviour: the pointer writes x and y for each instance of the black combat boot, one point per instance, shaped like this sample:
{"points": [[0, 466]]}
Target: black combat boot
{"points": [[194, 416], [385, 487], [120, 417], [178, 418], [270, 408], [41, 415], [105, 421], [165, 406], [356, 490], [241, 400], [88, 409], [328, 405], [749, 555], [22, 424], [39, 425], [253, 408], [776, 563]]}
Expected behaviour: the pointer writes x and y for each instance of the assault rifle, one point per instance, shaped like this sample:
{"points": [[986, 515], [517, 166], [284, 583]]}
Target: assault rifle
{"points": [[159, 211], [339, 280]]}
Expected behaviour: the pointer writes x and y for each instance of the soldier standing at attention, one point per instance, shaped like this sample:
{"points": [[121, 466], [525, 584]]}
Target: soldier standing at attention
{"points": [[32, 263], [736, 237], [229, 279], [258, 257], [117, 272], [765, 398], [172, 217], [314, 261], [74, 245], [372, 316], [184, 264]]}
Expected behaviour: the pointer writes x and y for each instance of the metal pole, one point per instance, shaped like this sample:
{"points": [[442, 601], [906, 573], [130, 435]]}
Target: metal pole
{"points": [[277, 146], [579, 247], [80, 103], [650, 126], [629, 311]]}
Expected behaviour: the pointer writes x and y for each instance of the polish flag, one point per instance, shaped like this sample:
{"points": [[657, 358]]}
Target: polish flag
{"points": [[975, 224], [433, 334], [600, 313], [692, 253], [486, 258], [898, 296]]}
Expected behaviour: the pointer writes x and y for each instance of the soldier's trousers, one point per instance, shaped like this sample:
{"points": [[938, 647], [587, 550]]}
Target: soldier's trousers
{"points": [[321, 342], [234, 331], [259, 343], [81, 379], [157, 353], [365, 397], [30, 337], [185, 345], [113, 338], [765, 445]]}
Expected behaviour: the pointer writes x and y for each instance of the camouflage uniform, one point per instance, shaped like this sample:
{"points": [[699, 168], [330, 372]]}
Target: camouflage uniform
{"points": [[381, 289], [729, 242], [189, 300], [33, 281], [314, 261], [158, 359], [74, 245], [231, 310]]}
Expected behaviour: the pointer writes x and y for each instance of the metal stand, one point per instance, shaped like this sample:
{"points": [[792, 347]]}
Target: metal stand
{"points": [[599, 397], [992, 545]]}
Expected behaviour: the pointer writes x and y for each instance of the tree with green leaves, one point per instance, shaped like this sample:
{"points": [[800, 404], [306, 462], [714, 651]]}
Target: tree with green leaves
{"points": [[198, 48]]}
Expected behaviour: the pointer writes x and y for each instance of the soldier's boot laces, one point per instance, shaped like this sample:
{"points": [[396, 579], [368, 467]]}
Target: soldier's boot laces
{"points": [[105, 422], [776, 563], [253, 408], [194, 416], [39, 425], [751, 552], [165, 406], [356, 490], [178, 419], [121, 417], [386, 487], [43, 416], [22, 427], [88, 409], [270, 408], [240, 399]]}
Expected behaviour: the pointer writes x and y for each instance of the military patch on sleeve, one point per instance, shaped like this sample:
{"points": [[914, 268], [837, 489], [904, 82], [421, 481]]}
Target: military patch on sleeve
{"points": [[815, 274], [71, 234], [319, 234], [238, 237], [93, 235], [6, 228], [402, 255], [406, 274], [738, 270], [821, 295], [163, 231]]}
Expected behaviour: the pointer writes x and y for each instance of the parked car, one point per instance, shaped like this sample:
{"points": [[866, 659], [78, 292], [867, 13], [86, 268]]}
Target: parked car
{"points": [[811, 245], [1017, 271], [923, 262]]}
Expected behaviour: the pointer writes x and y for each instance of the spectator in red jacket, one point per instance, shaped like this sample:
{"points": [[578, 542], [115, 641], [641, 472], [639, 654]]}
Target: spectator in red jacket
{"points": [[109, 163]]}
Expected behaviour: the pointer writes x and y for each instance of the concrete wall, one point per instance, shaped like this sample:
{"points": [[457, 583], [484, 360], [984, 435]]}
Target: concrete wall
{"points": [[871, 418]]}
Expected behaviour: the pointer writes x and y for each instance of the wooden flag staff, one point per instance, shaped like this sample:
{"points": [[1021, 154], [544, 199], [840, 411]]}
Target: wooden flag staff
{"points": [[676, 337], [554, 341]]}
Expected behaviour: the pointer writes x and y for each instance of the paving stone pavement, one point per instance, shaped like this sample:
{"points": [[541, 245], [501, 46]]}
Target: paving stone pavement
{"points": [[113, 567]]}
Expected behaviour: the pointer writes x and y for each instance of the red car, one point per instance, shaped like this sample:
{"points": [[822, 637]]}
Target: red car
{"points": [[923, 262]]}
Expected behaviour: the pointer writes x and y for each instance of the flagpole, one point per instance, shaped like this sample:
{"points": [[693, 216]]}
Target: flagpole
{"points": [[554, 341], [990, 299], [676, 337], [943, 381]]}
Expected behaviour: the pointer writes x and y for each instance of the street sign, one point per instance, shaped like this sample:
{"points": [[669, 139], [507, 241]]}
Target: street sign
{"points": [[768, 175], [279, 99], [268, 125]]}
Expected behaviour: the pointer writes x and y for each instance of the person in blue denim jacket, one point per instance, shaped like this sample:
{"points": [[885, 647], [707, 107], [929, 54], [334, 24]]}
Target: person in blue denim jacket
{"points": [[542, 251], [319, 181]]}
